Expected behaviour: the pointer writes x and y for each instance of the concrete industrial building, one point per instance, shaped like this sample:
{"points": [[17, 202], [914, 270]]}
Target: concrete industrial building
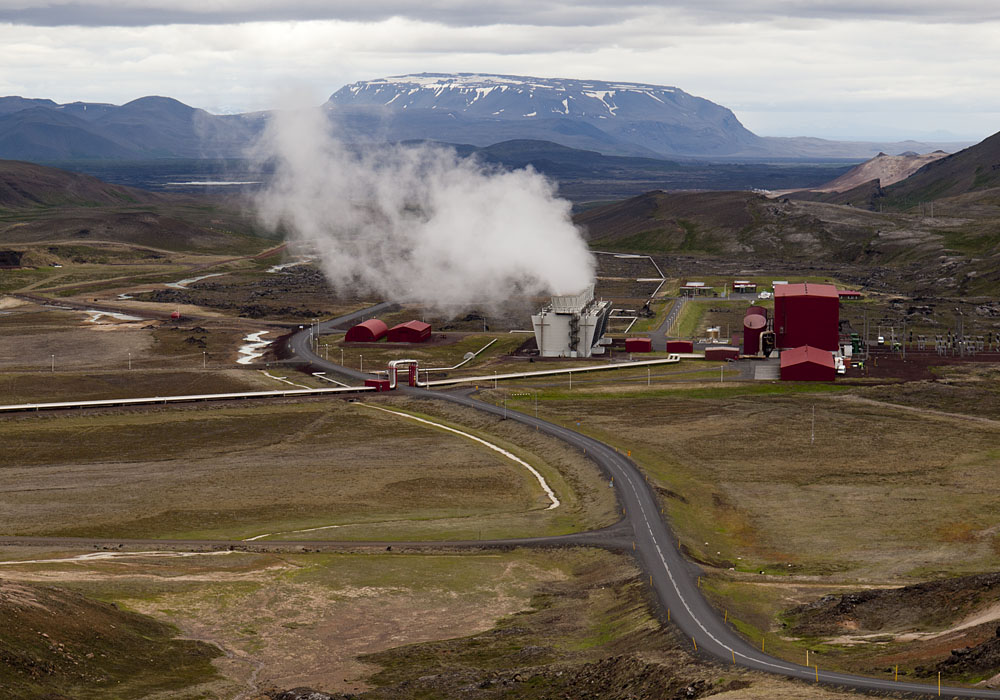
{"points": [[572, 325]]}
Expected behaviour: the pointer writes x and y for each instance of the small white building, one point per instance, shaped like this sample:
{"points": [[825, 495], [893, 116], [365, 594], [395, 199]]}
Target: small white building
{"points": [[572, 325]]}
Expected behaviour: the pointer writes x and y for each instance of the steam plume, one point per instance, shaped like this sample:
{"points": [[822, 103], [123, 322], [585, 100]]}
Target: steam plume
{"points": [[416, 223]]}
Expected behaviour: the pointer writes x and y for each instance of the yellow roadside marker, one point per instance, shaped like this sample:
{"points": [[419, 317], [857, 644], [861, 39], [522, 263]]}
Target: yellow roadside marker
{"points": [[695, 642], [817, 673], [734, 657]]}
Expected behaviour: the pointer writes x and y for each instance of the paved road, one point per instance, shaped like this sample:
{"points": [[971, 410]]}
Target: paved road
{"points": [[659, 334], [674, 579]]}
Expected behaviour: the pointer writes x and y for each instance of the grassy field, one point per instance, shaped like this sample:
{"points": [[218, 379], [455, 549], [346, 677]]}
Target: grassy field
{"points": [[237, 472], [872, 494], [782, 515], [700, 314], [543, 624]]}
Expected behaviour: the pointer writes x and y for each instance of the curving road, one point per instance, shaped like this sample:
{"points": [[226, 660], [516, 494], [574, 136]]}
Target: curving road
{"points": [[674, 579]]}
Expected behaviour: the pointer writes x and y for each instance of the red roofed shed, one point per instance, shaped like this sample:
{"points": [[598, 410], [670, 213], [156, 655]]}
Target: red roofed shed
{"points": [[807, 364], [638, 345], [410, 332], [367, 332], [806, 314]]}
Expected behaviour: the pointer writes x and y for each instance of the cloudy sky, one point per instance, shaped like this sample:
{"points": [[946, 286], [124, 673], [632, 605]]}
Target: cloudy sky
{"points": [[842, 69]]}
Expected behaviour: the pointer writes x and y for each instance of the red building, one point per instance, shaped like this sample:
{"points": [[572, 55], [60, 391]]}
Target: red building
{"points": [[807, 364], [368, 332], [410, 332], [638, 345], [806, 314], [680, 346]]}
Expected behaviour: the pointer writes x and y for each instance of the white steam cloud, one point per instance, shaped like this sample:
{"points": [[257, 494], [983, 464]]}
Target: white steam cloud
{"points": [[417, 223]]}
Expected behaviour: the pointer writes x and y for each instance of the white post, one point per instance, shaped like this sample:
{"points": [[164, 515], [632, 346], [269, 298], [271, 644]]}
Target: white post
{"points": [[722, 369], [647, 376], [570, 380], [362, 369], [536, 404], [812, 434], [494, 379], [53, 363], [342, 357], [204, 359], [130, 360]]}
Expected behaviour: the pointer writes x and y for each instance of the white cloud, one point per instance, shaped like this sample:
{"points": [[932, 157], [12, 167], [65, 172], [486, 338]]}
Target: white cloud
{"points": [[785, 67]]}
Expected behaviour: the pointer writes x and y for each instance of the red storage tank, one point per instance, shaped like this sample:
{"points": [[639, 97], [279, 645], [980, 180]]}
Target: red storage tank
{"points": [[753, 326], [806, 314], [759, 310], [379, 384], [681, 346], [638, 345], [721, 352], [410, 332], [367, 332], [807, 364]]}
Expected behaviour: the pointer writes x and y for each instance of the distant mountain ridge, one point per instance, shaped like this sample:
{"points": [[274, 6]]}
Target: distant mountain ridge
{"points": [[611, 117], [637, 118], [149, 127]]}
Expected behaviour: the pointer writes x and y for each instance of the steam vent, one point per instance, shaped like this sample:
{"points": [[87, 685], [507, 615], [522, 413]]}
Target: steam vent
{"points": [[572, 325]]}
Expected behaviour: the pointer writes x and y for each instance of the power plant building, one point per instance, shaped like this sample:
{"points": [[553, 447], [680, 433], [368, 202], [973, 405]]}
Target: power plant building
{"points": [[808, 364], [571, 325], [409, 332], [806, 314], [370, 331]]}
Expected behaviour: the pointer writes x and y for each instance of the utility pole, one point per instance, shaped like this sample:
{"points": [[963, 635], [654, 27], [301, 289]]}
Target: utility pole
{"points": [[812, 433]]}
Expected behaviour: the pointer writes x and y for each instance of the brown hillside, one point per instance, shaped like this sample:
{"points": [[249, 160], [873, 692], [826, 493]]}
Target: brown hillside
{"points": [[56, 643], [974, 169], [888, 170], [26, 185]]}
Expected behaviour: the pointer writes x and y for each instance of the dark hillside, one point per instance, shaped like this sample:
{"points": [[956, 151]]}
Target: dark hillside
{"points": [[56, 643], [25, 185], [696, 222], [974, 169]]}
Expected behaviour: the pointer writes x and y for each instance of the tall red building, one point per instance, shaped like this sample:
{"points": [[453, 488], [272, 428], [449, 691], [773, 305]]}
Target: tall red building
{"points": [[806, 314]]}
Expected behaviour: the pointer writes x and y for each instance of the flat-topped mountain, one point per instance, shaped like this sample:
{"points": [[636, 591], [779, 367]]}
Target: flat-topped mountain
{"points": [[621, 117]]}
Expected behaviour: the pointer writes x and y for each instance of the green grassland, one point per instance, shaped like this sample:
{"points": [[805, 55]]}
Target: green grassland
{"points": [[780, 515], [236, 472]]}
